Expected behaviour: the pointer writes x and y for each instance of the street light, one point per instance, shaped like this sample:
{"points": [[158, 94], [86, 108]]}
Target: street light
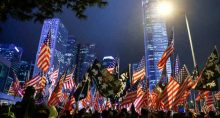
{"points": [[165, 8]]}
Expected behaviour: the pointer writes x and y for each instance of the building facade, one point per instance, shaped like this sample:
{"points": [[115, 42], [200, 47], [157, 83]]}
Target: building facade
{"points": [[155, 40], [5, 80], [59, 36], [25, 71], [85, 57], [12, 53], [71, 52]]}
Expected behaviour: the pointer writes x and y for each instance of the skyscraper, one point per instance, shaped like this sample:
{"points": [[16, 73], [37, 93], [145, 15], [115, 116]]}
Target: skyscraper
{"points": [[25, 71], [71, 52], [155, 40], [12, 53], [59, 36], [5, 66], [85, 57]]}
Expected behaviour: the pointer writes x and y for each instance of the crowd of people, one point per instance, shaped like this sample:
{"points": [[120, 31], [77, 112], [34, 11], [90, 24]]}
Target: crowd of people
{"points": [[28, 108]]}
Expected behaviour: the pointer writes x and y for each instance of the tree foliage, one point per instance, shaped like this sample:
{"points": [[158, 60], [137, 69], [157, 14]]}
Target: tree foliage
{"points": [[38, 10]]}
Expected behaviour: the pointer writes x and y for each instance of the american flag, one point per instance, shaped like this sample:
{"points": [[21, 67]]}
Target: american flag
{"points": [[15, 88], [69, 104], [154, 100], [53, 76], [167, 53], [34, 81], [41, 84], [137, 102], [139, 72], [146, 99], [63, 97], [86, 101], [131, 95], [57, 93], [69, 83], [202, 94], [43, 61], [217, 96], [96, 101], [108, 104], [111, 67], [170, 93], [183, 90], [209, 100]]}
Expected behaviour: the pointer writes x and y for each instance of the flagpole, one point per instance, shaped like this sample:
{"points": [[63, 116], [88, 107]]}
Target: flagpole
{"points": [[190, 41]]}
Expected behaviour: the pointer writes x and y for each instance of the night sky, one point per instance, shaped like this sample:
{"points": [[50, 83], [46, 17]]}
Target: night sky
{"points": [[117, 30]]}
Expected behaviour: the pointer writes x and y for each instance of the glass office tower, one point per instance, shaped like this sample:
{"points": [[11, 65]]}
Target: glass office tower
{"points": [[59, 37], [155, 40]]}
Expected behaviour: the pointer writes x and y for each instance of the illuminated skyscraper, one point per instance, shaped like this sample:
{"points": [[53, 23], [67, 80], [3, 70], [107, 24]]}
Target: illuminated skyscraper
{"points": [[59, 36], [12, 53], [71, 52], [85, 57], [155, 40]]}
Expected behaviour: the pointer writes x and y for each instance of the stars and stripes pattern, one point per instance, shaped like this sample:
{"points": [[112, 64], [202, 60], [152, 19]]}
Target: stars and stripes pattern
{"points": [[167, 53], [217, 96], [209, 100], [183, 90], [139, 72], [96, 101], [86, 101], [53, 76], [57, 93], [69, 83], [41, 84], [131, 95], [34, 81], [170, 93], [111, 67], [137, 102], [201, 95], [15, 88], [43, 61]]}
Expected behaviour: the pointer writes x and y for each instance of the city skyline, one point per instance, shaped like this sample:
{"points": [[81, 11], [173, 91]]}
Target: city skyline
{"points": [[125, 38]]}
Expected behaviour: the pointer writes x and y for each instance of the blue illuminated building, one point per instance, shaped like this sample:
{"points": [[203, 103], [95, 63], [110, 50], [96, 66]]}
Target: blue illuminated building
{"points": [[155, 40], [59, 37]]}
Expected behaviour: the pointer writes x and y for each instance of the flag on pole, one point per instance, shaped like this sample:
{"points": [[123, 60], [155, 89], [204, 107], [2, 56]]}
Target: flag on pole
{"points": [[139, 72], [170, 92], [167, 53], [34, 81], [208, 77], [82, 88], [137, 102], [69, 104], [131, 95], [108, 85], [69, 82], [57, 93], [43, 61], [53, 77], [217, 96], [15, 88], [111, 68], [87, 101]]}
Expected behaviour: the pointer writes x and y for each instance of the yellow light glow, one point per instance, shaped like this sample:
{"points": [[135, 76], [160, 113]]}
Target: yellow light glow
{"points": [[165, 8]]}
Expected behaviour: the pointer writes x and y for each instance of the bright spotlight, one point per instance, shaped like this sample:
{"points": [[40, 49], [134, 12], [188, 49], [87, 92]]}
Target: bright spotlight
{"points": [[165, 8]]}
